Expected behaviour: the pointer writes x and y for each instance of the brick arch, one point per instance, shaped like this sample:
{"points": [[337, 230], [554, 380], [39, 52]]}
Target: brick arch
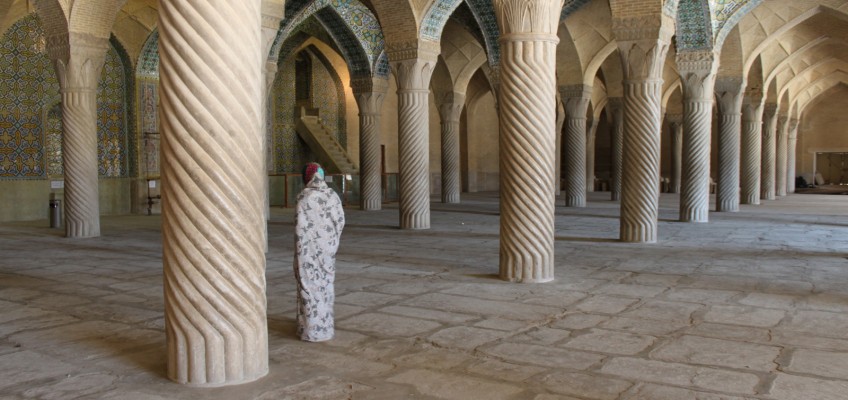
{"points": [[731, 55]]}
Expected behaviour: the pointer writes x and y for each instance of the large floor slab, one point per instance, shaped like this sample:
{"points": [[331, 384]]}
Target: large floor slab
{"points": [[752, 305]]}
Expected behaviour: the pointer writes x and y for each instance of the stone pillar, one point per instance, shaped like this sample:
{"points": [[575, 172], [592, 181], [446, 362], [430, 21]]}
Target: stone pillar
{"points": [[369, 94], [450, 110], [781, 156], [615, 112], [643, 45], [576, 99], [697, 74], [591, 131], [527, 105], [413, 82], [560, 123], [78, 66], [792, 148], [769, 144], [728, 92], [675, 126], [212, 171], [272, 14], [752, 125]]}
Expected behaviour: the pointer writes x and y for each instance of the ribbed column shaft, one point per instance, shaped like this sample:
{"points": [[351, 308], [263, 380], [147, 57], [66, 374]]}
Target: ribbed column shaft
{"points": [[79, 158], [413, 78], [78, 72], [781, 156], [728, 94], [675, 125], [643, 49], [727, 189], [615, 107], [527, 96], [769, 150], [449, 113], [590, 155], [791, 156], [752, 114], [370, 102], [697, 73], [212, 210], [576, 99]]}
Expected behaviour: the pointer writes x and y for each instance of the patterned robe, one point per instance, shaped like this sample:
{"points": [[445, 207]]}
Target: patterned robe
{"points": [[320, 220]]}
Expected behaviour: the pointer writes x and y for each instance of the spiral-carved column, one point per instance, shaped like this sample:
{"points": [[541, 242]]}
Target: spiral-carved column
{"points": [[675, 127], [792, 148], [449, 112], [643, 45], [780, 156], [576, 99], [560, 124], [752, 125], [413, 80], [769, 150], [527, 96], [369, 94], [214, 266], [590, 154], [78, 66], [615, 113], [728, 94], [697, 71]]}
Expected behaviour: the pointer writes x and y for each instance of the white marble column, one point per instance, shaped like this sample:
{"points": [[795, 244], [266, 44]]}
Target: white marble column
{"points": [[643, 48], [369, 94], [781, 156], [576, 99], [792, 148], [591, 131], [560, 124], [728, 92], [769, 144], [214, 266], [450, 109], [697, 74], [675, 127], [527, 105], [78, 66], [752, 125], [413, 82], [615, 113]]}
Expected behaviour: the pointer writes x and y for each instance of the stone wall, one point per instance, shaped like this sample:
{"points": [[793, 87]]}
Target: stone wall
{"points": [[823, 129]]}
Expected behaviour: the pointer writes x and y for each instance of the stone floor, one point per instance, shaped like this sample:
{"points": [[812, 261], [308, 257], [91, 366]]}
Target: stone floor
{"points": [[753, 305]]}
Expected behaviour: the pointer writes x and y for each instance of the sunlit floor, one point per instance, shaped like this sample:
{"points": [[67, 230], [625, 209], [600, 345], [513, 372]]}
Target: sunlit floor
{"points": [[753, 305]]}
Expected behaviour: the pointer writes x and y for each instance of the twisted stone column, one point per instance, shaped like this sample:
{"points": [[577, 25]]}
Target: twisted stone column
{"points": [[527, 96], [790, 155], [449, 111], [643, 48], [697, 73], [781, 156], [214, 266], [78, 65], [752, 125], [615, 113], [369, 94], [769, 150], [675, 126], [576, 99], [590, 154], [413, 82], [728, 92], [560, 123]]}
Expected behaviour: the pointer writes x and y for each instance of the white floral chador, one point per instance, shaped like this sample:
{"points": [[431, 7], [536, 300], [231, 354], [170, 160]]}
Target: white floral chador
{"points": [[320, 220]]}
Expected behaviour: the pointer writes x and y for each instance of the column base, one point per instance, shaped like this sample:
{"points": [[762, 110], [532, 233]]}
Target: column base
{"points": [[575, 201], [695, 216], [419, 221]]}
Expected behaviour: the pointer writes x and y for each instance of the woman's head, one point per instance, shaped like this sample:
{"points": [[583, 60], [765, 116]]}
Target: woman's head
{"points": [[310, 170]]}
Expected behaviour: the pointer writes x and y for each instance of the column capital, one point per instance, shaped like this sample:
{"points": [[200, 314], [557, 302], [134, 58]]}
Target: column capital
{"points": [[576, 99], [769, 110], [793, 126], [450, 106], [728, 93], [427, 50], [643, 43], [413, 74], [674, 119], [701, 61], [368, 84], [528, 19]]}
